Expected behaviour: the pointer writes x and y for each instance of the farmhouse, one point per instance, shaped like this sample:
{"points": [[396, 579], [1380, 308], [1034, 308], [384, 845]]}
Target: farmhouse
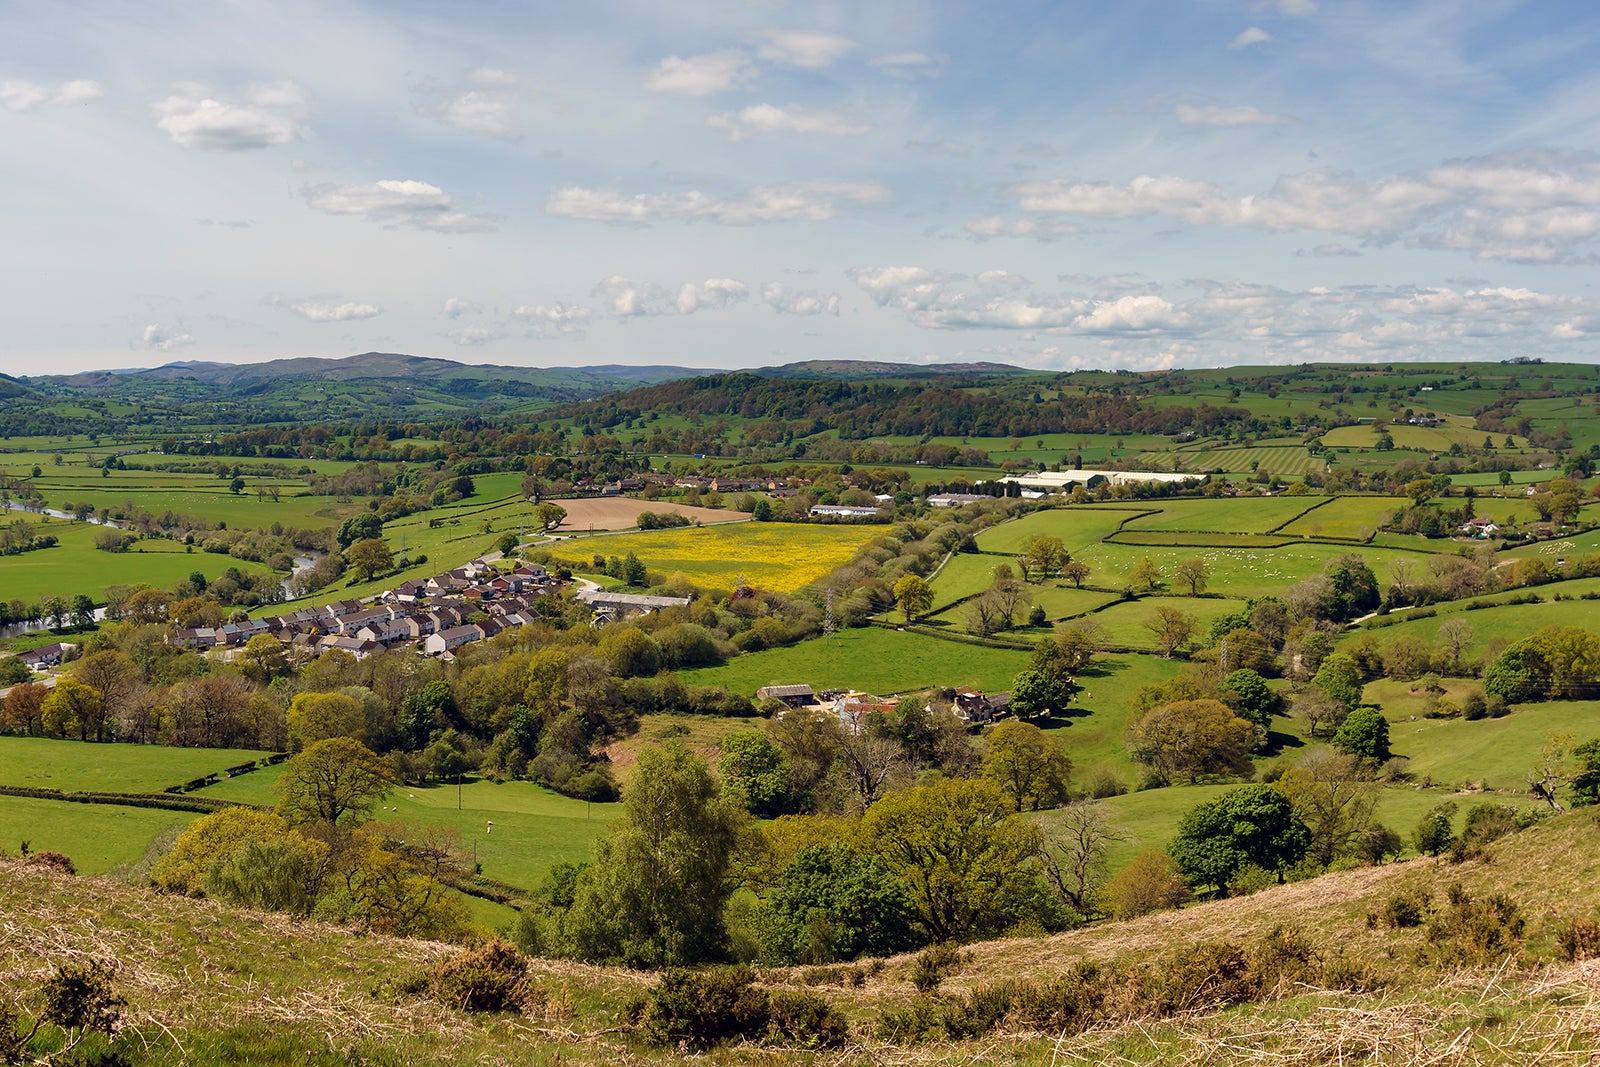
{"points": [[44, 656], [977, 709], [853, 709], [956, 500], [791, 696]]}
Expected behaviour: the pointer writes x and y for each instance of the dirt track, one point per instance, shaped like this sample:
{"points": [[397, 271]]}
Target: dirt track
{"points": [[622, 513]]}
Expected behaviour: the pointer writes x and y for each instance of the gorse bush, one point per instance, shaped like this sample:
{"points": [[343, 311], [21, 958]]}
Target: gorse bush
{"points": [[1579, 939], [700, 1009], [490, 978]]}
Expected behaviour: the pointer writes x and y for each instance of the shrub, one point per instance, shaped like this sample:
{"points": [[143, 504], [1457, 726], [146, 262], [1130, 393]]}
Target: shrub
{"points": [[1474, 706], [490, 978], [1474, 930], [806, 1020], [55, 861], [1435, 831], [79, 996], [701, 1009], [1405, 910], [1579, 939], [1102, 782], [933, 964]]}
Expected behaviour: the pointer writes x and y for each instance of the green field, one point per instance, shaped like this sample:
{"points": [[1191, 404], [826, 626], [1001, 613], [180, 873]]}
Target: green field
{"points": [[871, 658], [1241, 515], [97, 837], [1238, 571], [1078, 527], [1356, 518], [962, 575], [533, 828], [76, 566], [73, 766]]}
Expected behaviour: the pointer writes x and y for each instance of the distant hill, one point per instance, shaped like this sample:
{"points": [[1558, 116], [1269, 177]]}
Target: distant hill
{"points": [[849, 369], [10, 387]]}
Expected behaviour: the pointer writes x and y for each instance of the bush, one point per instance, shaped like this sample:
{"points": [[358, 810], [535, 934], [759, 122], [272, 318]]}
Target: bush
{"points": [[933, 964], [1475, 930], [1474, 706], [490, 978], [1435, 831], [80, 997], [701, 1009], [1102, 782], [1406, 910], [1579, 939], [55, 861], [806, 1020]]}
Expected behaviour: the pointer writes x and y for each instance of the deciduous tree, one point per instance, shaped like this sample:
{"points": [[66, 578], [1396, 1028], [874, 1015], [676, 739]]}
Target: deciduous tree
{"points": [[1190, 738], [1254, 824], [1172, 629], [333, 779], [913, 595], [1027, 764]]}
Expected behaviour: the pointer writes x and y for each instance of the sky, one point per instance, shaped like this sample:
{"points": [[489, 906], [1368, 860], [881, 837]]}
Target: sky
{"points": [[1052, 185]]}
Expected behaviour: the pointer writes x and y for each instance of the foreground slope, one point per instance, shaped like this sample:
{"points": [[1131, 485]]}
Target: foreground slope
{"points": [[208, 984]]}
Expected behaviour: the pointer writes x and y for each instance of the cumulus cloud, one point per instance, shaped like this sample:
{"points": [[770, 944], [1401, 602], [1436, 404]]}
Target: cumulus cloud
{"points": [[455, 307], [482, 111], [1248, 37], [814, 201], [269, 114], [1214, 115], [785, 302], [910, 65], [702, 75], [327, 311], [715, 293], [766, 118], [475, 335], [161, 339], [554, 318], [19, 95], [807, 49], [1130, 313], [992, 226], [414, 204]]}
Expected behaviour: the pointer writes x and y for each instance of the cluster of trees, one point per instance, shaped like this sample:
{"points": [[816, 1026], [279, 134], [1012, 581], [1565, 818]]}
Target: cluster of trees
{"points": [[320, 855], [949, 860]]}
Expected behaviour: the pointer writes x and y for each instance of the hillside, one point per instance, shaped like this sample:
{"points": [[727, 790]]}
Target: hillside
{"points": [[227, 986]]}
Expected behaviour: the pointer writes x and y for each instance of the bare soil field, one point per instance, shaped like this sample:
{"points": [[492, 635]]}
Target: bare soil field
{"points": [[618, 513]]}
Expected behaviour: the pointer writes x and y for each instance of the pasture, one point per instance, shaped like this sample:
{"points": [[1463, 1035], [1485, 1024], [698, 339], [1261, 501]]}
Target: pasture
{"points": [[76, 766], [771, 555], [97, 837], [1078, 527], [516, 830], [1233, 515], [1237, 571], [1125, 622], [618, 513], [870, 658], [76, 566], [1354, 518]]}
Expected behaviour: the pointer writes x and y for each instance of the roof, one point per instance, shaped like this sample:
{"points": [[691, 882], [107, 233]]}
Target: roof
{"points": [[781, 691]]}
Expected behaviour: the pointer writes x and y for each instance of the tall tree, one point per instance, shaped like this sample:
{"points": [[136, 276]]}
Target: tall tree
{"points": [[655, 892], [330, 780], [1027, 764], [959, 849], [1190, 738], [1254, 824], [370, 557], [1172, 629], [1193, 573], [913, 595], [1072, 850]]}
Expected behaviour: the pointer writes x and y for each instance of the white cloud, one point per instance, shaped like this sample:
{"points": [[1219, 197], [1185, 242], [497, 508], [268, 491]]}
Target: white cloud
{"points": [[715, 293], [807, 49], [814, 201], [785, 302], [766, 118], [910, 65], [269, 115], [1214, 115], [19, 95], [161, 339], [1130, 313], [491, 76], [1248, 37], [480, 111], [1327, 250], [416, 204], [322, 311], [702, 75], [993, 226], [455, 307], [475, 335], [555, 318], [1298, 9]]}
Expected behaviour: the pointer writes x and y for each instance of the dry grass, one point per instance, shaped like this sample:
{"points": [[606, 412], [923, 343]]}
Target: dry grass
{"points": [[191, 969]]}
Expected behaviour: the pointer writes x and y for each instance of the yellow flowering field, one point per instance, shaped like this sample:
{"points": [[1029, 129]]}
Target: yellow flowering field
{"points": [[773, 555]]}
